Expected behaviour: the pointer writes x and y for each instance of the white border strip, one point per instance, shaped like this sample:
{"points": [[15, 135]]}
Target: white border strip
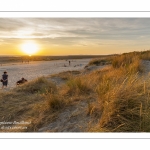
{"points": [[75, 14], [75, 135]]}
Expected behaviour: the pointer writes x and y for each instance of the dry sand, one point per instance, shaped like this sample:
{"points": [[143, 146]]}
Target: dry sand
{"points": [[42, 68]]}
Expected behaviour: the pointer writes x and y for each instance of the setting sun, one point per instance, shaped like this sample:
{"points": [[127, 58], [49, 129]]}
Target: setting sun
{"points": [[29, 48]]}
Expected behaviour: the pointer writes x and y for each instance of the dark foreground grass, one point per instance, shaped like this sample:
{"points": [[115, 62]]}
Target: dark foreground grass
{"points": [[18, 104]]}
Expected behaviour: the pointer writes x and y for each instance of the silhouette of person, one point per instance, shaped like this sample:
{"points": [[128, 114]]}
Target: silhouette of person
{"points": [[5, 79]]}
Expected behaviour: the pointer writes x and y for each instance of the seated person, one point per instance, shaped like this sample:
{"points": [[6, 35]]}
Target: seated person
{"points": [[23, 80]]}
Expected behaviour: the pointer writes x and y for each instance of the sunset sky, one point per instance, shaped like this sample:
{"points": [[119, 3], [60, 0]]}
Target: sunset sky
{"points": [[74, 36]]}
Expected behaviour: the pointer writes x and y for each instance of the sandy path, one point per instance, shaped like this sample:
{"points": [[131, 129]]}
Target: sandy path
{"points": [[146, 65], [37, 69], [72, 119]]}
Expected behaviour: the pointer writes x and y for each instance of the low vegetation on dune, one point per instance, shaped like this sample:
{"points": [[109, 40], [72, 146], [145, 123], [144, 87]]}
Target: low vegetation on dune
{"points": [[113, 99], [65, 75], [19, 104], [123, 102], [101, 61], [39, 85]]}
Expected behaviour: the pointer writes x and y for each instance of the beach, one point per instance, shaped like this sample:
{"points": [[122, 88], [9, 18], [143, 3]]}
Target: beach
{"points": [[37, 69]]}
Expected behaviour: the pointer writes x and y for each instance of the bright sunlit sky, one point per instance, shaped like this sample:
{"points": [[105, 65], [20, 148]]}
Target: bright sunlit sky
{"points": [[73, 36]]}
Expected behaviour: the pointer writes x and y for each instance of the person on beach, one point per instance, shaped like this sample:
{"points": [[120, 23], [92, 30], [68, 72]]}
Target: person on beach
{"points": [[4, 79], [69, 62]]}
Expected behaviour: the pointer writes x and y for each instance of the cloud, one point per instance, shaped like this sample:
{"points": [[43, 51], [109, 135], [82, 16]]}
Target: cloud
{"points": [[7, 24], [75, 31]]}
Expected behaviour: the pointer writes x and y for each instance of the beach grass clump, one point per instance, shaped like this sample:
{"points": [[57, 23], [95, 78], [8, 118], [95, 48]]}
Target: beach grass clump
{"points": [[102, 82], [66, 75], [122, 104], [100, 61], [145, 55], [106, 79], [77, 85], [94, 109], [122, 61], [129, 62], [19, 107], [38, 105], [123, 107], [123, 98], [136, 65], [54, 102], [39, 85]]}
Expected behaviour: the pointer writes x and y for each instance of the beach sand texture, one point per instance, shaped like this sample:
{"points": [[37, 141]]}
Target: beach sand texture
{"points": [[41, 68]]}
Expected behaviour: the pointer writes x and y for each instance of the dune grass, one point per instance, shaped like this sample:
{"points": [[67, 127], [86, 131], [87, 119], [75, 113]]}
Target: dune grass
{"points": [[66, 75], [21, 101], [123, 98], [117, 97], [124, 106], [100, 61], [77, 85], [40, 85], [130, 62]]}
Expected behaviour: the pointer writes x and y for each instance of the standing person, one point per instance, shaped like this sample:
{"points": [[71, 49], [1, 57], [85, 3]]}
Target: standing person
{"points": [[69, 62], [5, 79]]}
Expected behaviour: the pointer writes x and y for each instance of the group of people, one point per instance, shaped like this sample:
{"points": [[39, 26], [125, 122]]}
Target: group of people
{"points": [[4, 80]]}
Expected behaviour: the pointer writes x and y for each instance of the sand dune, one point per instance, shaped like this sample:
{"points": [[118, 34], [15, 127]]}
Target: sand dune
{"points": [[37, 69]]}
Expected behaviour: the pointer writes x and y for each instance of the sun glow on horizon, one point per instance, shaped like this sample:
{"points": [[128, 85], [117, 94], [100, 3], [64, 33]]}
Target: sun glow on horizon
{"points": [[30, 48]]}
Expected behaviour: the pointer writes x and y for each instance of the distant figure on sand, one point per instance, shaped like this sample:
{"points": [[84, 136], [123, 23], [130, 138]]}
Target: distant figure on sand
{"points": [[69, 62], [4, 79], [23, 80]]}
